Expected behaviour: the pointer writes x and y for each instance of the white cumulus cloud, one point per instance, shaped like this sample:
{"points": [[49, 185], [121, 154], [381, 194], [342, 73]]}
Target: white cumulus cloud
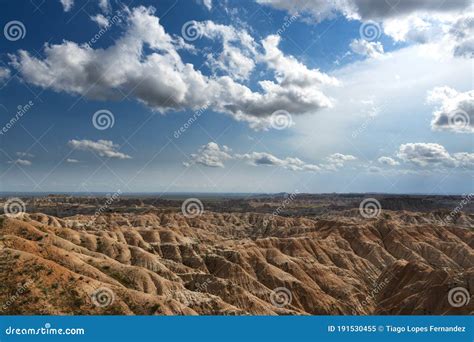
{"points": [[455, 111], [159, 78], [366, 48], [388, 161], [104, 148]]}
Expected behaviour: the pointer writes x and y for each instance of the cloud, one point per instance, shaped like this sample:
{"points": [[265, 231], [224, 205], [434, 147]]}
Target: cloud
{"points": [[464, 159], [366, 9], [158, 77], [267, 159], [403, 20], [67, 4], [366, 48], [462, 32], [4, 73], [375, 9], [208, 4], [337, 160], [388, 161], [100, 20], [104, 148], [238, 49], [22, 162], [214, 156], [429, 154], [210, 155], [71, 160], [24, 154], [455, 111], [105, 6]]}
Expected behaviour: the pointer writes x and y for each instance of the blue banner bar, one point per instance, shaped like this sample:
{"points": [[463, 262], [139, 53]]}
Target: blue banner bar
{"points": [[230, 329]]}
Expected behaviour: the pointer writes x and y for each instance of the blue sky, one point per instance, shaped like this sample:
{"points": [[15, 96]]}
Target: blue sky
{"points": [[270, 96]]}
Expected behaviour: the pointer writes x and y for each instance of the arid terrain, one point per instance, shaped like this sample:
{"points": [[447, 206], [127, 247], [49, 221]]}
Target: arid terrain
{"points": [[261, 255]]}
